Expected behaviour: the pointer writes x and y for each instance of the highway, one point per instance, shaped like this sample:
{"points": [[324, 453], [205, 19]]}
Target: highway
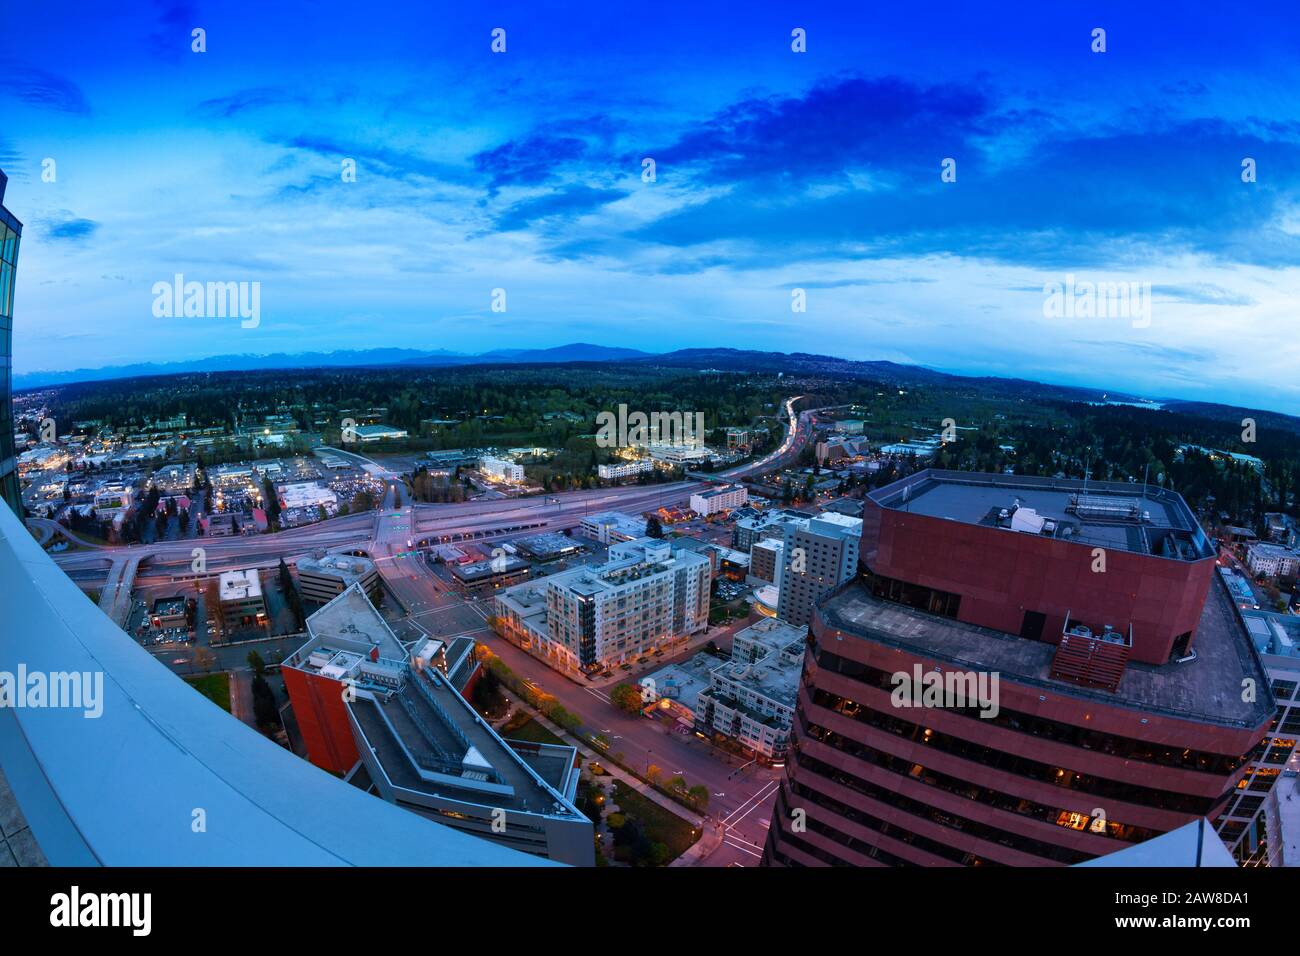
{"points": [[741, 793], [386, 535]]}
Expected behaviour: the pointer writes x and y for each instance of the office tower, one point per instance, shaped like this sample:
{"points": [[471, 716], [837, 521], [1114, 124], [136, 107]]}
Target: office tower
{"points": [[10, 232], [1025, 672]]}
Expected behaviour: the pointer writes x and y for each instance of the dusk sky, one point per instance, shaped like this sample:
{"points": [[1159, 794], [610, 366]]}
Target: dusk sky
{"points": [[775, 170]]}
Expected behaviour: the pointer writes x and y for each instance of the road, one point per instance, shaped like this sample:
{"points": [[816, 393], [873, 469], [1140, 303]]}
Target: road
{"points": [[741, 793]]}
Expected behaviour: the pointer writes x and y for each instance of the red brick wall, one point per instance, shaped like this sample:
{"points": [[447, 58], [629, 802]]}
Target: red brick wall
{"points": [[1001, 574]]}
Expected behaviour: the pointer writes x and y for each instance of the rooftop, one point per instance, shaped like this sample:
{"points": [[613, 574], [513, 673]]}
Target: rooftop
{"points": [[1117, 515], [240, 585], [483, 570], [428, 739], [349, 567], [1207, 689], [350, 619]]}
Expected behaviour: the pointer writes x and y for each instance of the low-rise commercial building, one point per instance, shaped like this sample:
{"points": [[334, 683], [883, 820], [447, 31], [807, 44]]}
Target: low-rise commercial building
{"points": [[612, 527], [385, 715], [373, 433], [323, 577], [477, 577], [305, 494], [242, 602]]}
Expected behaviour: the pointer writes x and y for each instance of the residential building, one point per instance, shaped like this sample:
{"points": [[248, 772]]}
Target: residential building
{"points": [[1070, 719], [500, 469], [242, 602], [647, 595], [765, 560], [612, 527], [751, 699], [819, 553], [718, 499], [1272, 560], [768, 524], [385, 715], [10, 232], [323, 577], [625, 469], [739, 439]]}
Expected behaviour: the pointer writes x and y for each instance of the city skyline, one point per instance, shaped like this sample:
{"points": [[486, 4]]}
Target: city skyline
{"points": [[775, 171]]}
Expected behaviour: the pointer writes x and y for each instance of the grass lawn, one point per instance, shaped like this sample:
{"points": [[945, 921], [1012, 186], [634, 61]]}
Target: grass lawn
{"points": [[215, 687], [531, 731], [658, 824]]}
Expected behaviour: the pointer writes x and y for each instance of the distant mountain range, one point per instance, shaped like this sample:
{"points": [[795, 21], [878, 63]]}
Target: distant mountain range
{"points": [[722, 359], [368, 358]]}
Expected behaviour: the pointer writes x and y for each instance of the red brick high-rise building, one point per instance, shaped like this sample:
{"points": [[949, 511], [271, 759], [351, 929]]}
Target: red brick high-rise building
{"points": [[1102, 688]]}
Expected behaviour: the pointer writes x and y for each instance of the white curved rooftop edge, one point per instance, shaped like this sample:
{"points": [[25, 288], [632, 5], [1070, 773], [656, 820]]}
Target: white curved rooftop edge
{"points": [[122, 789]]}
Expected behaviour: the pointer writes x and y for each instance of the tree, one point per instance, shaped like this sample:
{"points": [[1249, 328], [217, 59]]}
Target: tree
{"points": [[653, 527], [256, 663], [272, 502], [626, 698], [264, 710], [204, 659]]}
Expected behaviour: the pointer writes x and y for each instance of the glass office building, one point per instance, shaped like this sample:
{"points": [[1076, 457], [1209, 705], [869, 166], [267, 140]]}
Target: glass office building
{"points": [[10, 231]]}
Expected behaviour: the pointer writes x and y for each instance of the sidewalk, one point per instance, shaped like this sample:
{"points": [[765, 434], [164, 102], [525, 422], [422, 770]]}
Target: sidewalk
{"points": [[711, 834]]}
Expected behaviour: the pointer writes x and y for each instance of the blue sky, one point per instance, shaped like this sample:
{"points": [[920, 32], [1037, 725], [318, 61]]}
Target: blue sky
{"points": [[775, 170]]}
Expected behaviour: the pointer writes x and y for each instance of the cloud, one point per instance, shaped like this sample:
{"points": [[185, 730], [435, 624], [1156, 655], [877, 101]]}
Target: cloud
{"points": [[248, 100], [560, 204], [65, 227], [41, 89], [533, 160]]}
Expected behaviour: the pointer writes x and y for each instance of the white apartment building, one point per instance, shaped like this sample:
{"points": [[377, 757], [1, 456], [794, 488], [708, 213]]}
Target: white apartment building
{"points": [[751, 699], [719, 499], [625, 469], [820, 553], [647, 595], [1272, 560], [501, 470]]}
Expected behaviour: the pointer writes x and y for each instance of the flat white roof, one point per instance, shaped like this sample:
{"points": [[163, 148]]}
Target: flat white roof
{"points": [[240, 585]]}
